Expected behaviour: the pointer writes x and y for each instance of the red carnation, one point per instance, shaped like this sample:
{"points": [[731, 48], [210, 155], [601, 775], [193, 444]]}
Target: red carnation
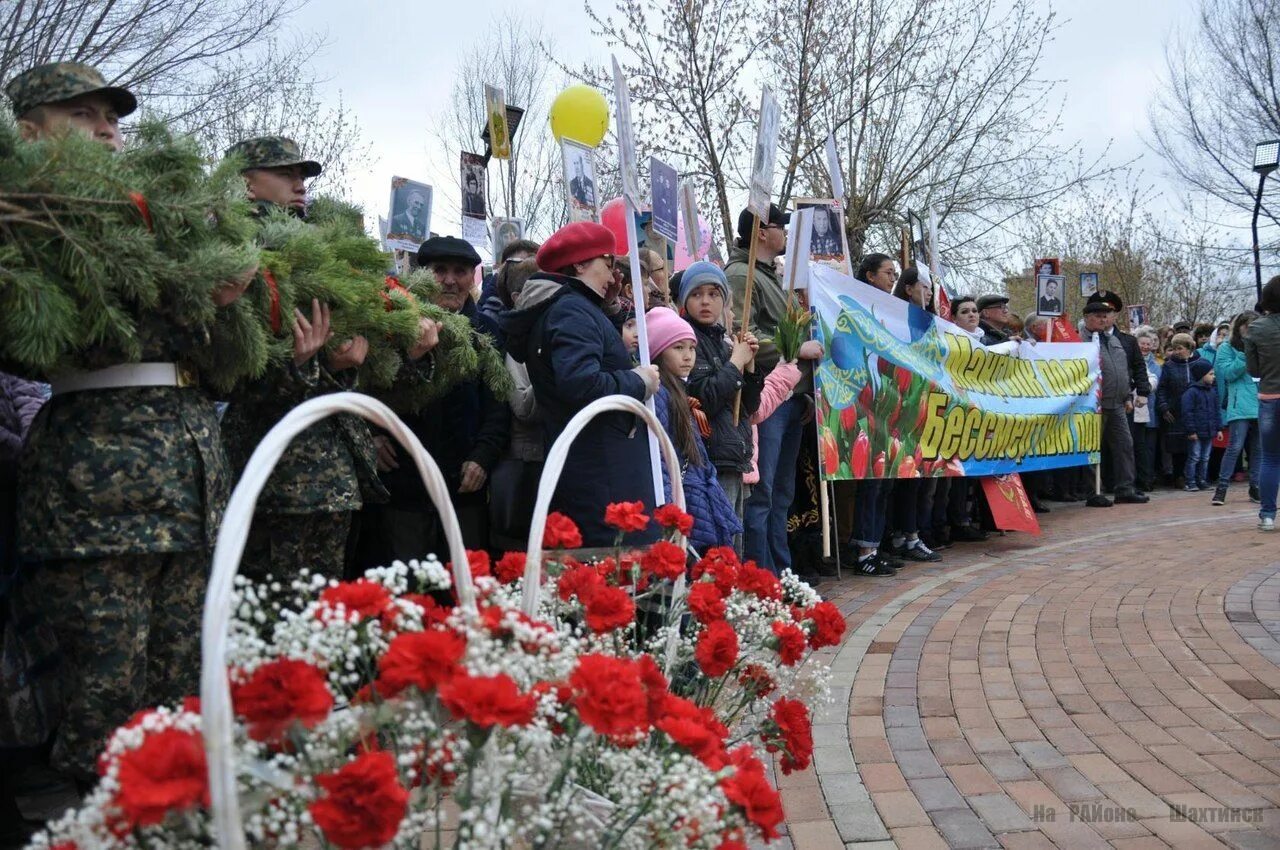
{"points": [[686, 709], [721, 563], [699, 741], [510, 567], [828, 625], [610, 697], [757, 680], [759, 582], [795, 734], [655, 685], [432, 611], [664, 560], [717, 649], [706, 602], [364, 802], [280, 693], [477, 560], [670, 516], [791, 642], [561, 532], [167, 773], [608, 608], [362, 597], [578, 581], [423, 660], [488, 700], [626, 516], [750, 790]]}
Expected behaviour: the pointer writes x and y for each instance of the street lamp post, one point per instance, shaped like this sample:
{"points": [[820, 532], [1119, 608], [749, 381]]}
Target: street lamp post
{"points": [[1266, 158]]}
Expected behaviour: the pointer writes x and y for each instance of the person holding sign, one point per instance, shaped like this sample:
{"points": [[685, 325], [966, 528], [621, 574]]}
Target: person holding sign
{"points": [[575, 355], [765, 512]]}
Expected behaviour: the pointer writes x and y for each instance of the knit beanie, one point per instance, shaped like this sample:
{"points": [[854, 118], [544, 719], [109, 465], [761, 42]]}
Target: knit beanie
{"points": [[1200, 368], [698, 274], [665, 330]]}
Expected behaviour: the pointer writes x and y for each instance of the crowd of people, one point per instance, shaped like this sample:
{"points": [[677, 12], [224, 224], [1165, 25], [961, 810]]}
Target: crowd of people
{"points": [[113, 491]]}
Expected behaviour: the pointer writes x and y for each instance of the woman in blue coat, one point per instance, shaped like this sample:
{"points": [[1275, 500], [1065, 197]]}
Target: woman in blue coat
{"points": [[575, 356], [1239, 395]]}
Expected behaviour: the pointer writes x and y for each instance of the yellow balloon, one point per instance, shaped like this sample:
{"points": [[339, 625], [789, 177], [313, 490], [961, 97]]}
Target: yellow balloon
{"points": [[580, 113]]}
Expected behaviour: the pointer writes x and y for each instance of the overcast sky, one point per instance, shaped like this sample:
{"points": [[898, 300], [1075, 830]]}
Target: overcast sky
{"points": [[394, 64]]}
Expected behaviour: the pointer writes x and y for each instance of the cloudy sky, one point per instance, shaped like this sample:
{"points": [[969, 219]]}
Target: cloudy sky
{"points": [[394, 64]]}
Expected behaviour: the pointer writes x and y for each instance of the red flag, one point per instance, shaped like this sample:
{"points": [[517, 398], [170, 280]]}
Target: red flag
{"points": [[943, 304], [1010, 507], [1063, 331]]}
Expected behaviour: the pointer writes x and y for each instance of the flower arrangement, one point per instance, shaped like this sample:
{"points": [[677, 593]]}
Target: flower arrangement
{"points": [[377, 712]]}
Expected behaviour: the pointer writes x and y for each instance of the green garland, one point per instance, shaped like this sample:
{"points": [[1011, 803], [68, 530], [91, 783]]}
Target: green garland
{"points": [[110, 258], [329, 258]]}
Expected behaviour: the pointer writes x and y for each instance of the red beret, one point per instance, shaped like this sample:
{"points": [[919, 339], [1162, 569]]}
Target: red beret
{"points": [[575, 243]]}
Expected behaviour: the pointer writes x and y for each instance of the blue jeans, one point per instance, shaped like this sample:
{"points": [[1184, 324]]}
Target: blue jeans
{"points": [[870, 512], [1197, 468], [764, 517], [1269, 468], [1240, 432]]}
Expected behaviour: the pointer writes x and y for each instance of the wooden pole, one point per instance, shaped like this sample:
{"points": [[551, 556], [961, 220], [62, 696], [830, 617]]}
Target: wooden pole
{"points": [[746, 301]]}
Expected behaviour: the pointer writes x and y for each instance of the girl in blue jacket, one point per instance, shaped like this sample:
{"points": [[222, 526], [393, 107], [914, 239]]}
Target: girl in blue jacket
{"points": [[1239, 395], [673, 348]]}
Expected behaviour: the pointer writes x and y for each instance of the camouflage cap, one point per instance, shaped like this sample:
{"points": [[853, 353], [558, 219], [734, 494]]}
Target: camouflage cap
{"points": [[273, 152], [59, 81]]}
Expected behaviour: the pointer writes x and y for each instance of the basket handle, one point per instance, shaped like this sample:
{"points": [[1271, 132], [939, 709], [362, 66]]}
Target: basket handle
{"points": [[215, 691]]}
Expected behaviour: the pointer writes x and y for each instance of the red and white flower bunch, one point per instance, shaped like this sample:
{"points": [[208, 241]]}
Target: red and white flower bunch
{"points": [[378, 713]]}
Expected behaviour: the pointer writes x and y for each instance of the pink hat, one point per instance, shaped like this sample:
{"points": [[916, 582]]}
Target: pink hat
{"points": [[665, 330]]}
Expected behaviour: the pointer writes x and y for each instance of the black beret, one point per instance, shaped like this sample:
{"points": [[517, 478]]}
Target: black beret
{"points": [[447, 248]]}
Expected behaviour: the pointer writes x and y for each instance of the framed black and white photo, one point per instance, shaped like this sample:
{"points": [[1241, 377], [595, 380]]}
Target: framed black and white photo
{"points": [[1137, 316], [410, 220], [1088, 284], [827, 244], [1049, 294], [473, 179], [579, 181], [506, 231], [766, 151], [664, 188]]}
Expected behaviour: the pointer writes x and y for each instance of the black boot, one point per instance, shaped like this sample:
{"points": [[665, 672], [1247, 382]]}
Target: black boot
{"points": [[1219, 495]]}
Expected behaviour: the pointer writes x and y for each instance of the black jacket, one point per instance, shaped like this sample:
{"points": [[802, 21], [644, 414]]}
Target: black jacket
{"points": [[715, 382], [992, 335], [575, 356], [467, 424]]}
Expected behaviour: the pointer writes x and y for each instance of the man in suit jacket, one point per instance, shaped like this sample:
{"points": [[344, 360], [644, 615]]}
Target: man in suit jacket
{"points": [[412, 220], [582, 187]]}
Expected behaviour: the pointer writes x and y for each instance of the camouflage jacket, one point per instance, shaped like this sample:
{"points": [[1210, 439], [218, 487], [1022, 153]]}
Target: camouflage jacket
{"points": [[330, 467]]}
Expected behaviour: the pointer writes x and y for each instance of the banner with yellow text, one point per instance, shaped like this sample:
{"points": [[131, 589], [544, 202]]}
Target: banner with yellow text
{"points": [[904, 394]]}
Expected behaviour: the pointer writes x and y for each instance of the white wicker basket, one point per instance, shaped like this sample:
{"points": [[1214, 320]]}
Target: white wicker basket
{"points": [[215, 693], [552, 470]]}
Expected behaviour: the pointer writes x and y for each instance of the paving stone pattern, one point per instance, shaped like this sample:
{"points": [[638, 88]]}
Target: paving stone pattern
{"points": [[1113, 683]]}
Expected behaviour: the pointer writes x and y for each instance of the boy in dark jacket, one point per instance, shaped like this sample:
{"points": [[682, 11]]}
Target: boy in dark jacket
{"points": [[1175, 378], [723, 369], [1201, 419]]}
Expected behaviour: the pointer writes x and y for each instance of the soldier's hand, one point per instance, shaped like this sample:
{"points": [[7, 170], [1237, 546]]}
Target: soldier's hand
{"points": [[349, 355], [227, 293], [473, 477], [428, 338], [310, 336], [386, 453]]}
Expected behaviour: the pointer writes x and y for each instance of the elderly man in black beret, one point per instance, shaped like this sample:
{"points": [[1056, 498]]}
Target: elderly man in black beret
{"points": [[466, 432]]}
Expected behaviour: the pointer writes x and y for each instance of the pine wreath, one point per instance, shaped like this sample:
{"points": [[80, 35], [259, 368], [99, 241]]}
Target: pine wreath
{"points": [[110, 258]]}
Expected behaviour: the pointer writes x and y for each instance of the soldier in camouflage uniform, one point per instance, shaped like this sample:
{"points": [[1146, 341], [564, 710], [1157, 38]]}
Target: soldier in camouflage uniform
{"points": [[303, 516], [123, 481]]}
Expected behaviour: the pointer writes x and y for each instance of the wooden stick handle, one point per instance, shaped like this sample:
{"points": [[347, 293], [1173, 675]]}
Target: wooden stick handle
{"points": [[746, 302]]}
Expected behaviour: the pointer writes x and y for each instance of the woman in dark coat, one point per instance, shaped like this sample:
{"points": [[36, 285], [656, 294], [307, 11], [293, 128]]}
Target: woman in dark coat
{"points": [[575, 356]]}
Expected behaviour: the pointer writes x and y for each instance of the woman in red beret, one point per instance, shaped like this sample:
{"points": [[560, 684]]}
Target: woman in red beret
{"points": [[575, 355]]}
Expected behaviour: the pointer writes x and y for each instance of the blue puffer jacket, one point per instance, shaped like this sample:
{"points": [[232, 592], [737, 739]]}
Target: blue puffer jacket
{"points": [[714, 520], [1200, 412], [1175, 377]]}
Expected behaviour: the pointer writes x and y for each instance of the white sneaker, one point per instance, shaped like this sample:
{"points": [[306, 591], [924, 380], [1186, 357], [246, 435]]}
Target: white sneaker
{"points": [[1267, 523]]}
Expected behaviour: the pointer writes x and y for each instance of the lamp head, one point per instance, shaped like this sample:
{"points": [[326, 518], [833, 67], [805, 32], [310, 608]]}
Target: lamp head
{"points": [[1266, 156]]}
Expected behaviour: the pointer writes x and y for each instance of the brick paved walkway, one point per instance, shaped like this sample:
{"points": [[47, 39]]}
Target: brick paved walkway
{"points": [[1074, 690]]}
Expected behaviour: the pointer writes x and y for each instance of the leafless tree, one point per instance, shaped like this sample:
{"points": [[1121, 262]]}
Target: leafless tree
{"points": [[686, 62], [511, 56], [936, 103], [216, 68], [1221, 96]]}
